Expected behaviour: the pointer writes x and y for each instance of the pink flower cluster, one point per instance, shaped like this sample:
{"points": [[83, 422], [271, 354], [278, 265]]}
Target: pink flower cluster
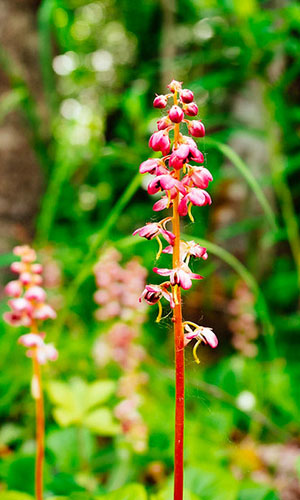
{"points": [[119, 287], [176, 176], [28, 304]]}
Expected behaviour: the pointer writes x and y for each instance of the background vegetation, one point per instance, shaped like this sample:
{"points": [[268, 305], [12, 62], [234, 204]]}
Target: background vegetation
{"points": [[83, 103]]}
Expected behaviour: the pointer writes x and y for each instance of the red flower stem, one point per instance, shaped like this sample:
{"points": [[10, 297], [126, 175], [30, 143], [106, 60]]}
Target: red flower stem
{"points": [[179, 346], [40, 426]]}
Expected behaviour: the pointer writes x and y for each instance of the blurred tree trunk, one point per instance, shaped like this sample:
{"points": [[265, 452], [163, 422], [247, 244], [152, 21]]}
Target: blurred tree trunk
{"points": [[20, 173]]}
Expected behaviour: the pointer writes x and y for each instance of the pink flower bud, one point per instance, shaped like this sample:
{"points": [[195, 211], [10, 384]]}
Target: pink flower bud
{"points": [[186, 96], [35, 293], [196, 128], [164, 123], [160, 101], [14, 288], [176, 114], [37, 268], [191, 109], [26, 253], [25, 278], [17, 267]]}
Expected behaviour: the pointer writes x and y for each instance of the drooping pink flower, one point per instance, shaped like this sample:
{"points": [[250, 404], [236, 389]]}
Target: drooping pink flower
{"points": [[164, 123], [186, 96], [176, 114], [149, 166], [153, 294], [35, 293], [196, 128], [195, 196], [160, 141], [161, 204], [198, 177], [31, 339], [20, 305], [188, 249], [179, 156], [160, 101], [166, 183], [181, 276], [153, 229], [43, 312], [201, 333]]}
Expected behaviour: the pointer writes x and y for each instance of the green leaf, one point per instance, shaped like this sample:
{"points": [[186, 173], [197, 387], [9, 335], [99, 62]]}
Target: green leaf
{"points": [[101, 422], [129, 492], [15, 495], [64, 416], [61, 394], [98, 392], [255, 491]]}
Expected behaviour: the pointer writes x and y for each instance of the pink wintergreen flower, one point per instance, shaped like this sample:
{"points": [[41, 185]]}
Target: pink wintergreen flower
{"points": [[198, 177], [201, 333], [181, 276], [195, 196], [161, 204], [15, 318], [160, 101], [164, 123], [44, 353], [150, 166], [31, 339], [43, 312], [186, 96], [176, 114], [153, 294], [35, 293], [188, 249], [166, 183], [152, 230], [196, 128], [179, 156], [14, 288], [190, 109], [160, 141]]}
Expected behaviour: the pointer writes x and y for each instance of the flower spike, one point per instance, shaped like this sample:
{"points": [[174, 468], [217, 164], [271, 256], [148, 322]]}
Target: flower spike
{"points": [[182, 185]]}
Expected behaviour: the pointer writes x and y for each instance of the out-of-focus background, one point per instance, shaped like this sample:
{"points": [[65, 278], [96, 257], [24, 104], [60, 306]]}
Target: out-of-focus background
{"points": [[77, 83]]}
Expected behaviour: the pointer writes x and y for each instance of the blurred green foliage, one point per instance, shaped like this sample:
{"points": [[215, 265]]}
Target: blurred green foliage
{"points": [[101, 63]]}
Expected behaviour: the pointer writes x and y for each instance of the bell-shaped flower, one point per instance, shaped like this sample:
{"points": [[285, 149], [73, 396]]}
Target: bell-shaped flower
{"points": [[154, 293], [188, 249], [181, 276], [152, 230], [176, 114], [197, 177], [166, 182], [35, 293], [179, 156], [195, 196], [160, 141], [200, 333]]}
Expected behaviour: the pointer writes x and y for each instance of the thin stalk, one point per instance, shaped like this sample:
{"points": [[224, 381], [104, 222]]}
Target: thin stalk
{"points": [[179, 348], [40, 426]]}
